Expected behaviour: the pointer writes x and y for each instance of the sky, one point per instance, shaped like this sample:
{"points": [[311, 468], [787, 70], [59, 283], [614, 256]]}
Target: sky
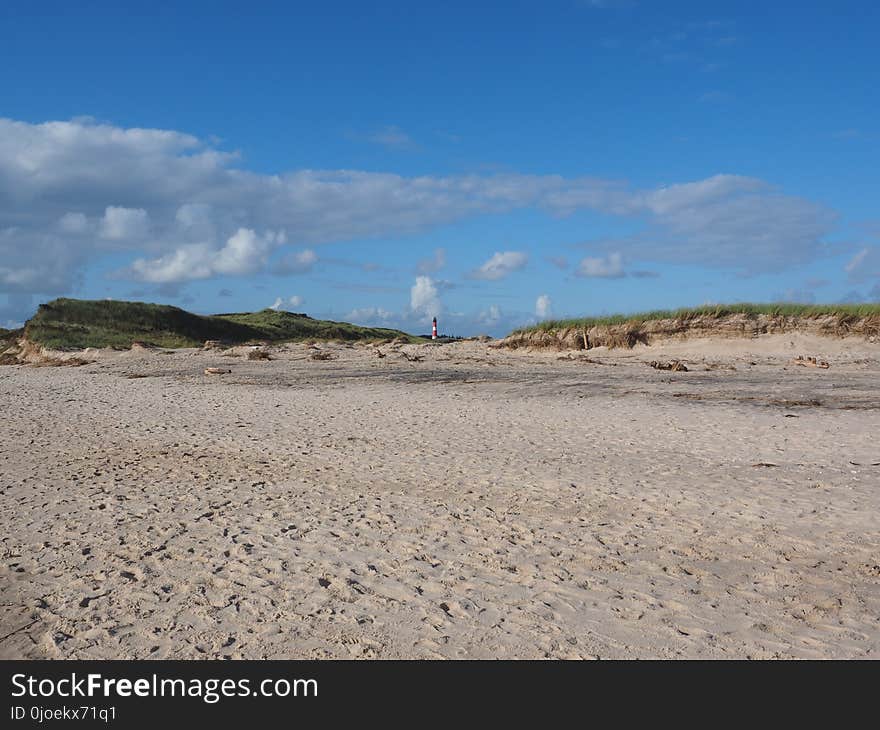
{"points": [[492, 164]]}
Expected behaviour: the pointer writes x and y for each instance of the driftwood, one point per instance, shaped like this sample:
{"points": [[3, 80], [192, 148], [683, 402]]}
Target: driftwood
{"points": [[810, 362], [217, 371], [674, 365]]}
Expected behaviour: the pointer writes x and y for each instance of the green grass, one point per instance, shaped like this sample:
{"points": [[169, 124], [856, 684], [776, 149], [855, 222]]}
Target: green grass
{"points": [[287, 326], [847, 311], [75, 324]]}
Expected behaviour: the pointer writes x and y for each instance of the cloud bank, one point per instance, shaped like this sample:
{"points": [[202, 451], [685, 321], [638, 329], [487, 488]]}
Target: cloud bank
{"points": [[184, 210]]}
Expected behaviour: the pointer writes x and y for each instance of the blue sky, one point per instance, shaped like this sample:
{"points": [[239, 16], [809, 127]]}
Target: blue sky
{"points": [[490, 163]]}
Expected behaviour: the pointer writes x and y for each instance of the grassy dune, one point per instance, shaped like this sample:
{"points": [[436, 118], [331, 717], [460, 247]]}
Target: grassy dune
{"points": [[75, 324], [806, 311]]}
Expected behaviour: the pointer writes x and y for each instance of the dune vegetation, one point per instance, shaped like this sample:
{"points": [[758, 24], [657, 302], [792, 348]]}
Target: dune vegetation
{"points": [[72, 324], [715, 321], [804, 311]]}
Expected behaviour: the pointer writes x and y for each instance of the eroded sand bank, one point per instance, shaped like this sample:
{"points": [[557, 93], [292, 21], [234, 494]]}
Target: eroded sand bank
{"points": [[471, 503]]}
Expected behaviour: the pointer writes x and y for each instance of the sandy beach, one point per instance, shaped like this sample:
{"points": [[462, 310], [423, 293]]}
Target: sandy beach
{"points": [[449, 501]]}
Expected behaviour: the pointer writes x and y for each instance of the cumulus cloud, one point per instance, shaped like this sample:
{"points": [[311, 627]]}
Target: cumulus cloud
{"points": [[245, 252], [281, 302], [189, 262], [543, 306], [609, 267], [425, 298], [500, 265], [174, 203], [121, 224]]}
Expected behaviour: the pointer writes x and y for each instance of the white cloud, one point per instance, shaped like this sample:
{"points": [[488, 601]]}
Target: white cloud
{"points": [[187, 262], [675, 198], [281, 302], [500, 265], [433, 264], [425, 298], [543, 306], [609, 267], [173, 202], [120, 224], [245, 252]]}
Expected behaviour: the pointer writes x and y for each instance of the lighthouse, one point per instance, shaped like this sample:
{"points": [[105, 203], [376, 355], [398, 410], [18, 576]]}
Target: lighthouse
{"points": [[434, 329]]}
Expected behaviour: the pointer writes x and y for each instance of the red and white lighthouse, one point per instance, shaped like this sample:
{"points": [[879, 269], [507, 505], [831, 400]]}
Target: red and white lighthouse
{"points": [[434, 329]]}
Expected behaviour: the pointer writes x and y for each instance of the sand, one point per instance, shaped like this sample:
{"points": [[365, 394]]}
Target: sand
{"points": [[462, 502]]}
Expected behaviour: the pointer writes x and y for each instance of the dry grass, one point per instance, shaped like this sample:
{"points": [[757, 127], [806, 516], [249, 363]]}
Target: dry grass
{"points": [[847, 314]]}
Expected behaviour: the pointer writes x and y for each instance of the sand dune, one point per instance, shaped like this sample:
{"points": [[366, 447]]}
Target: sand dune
{"points": [[462, 502]]}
